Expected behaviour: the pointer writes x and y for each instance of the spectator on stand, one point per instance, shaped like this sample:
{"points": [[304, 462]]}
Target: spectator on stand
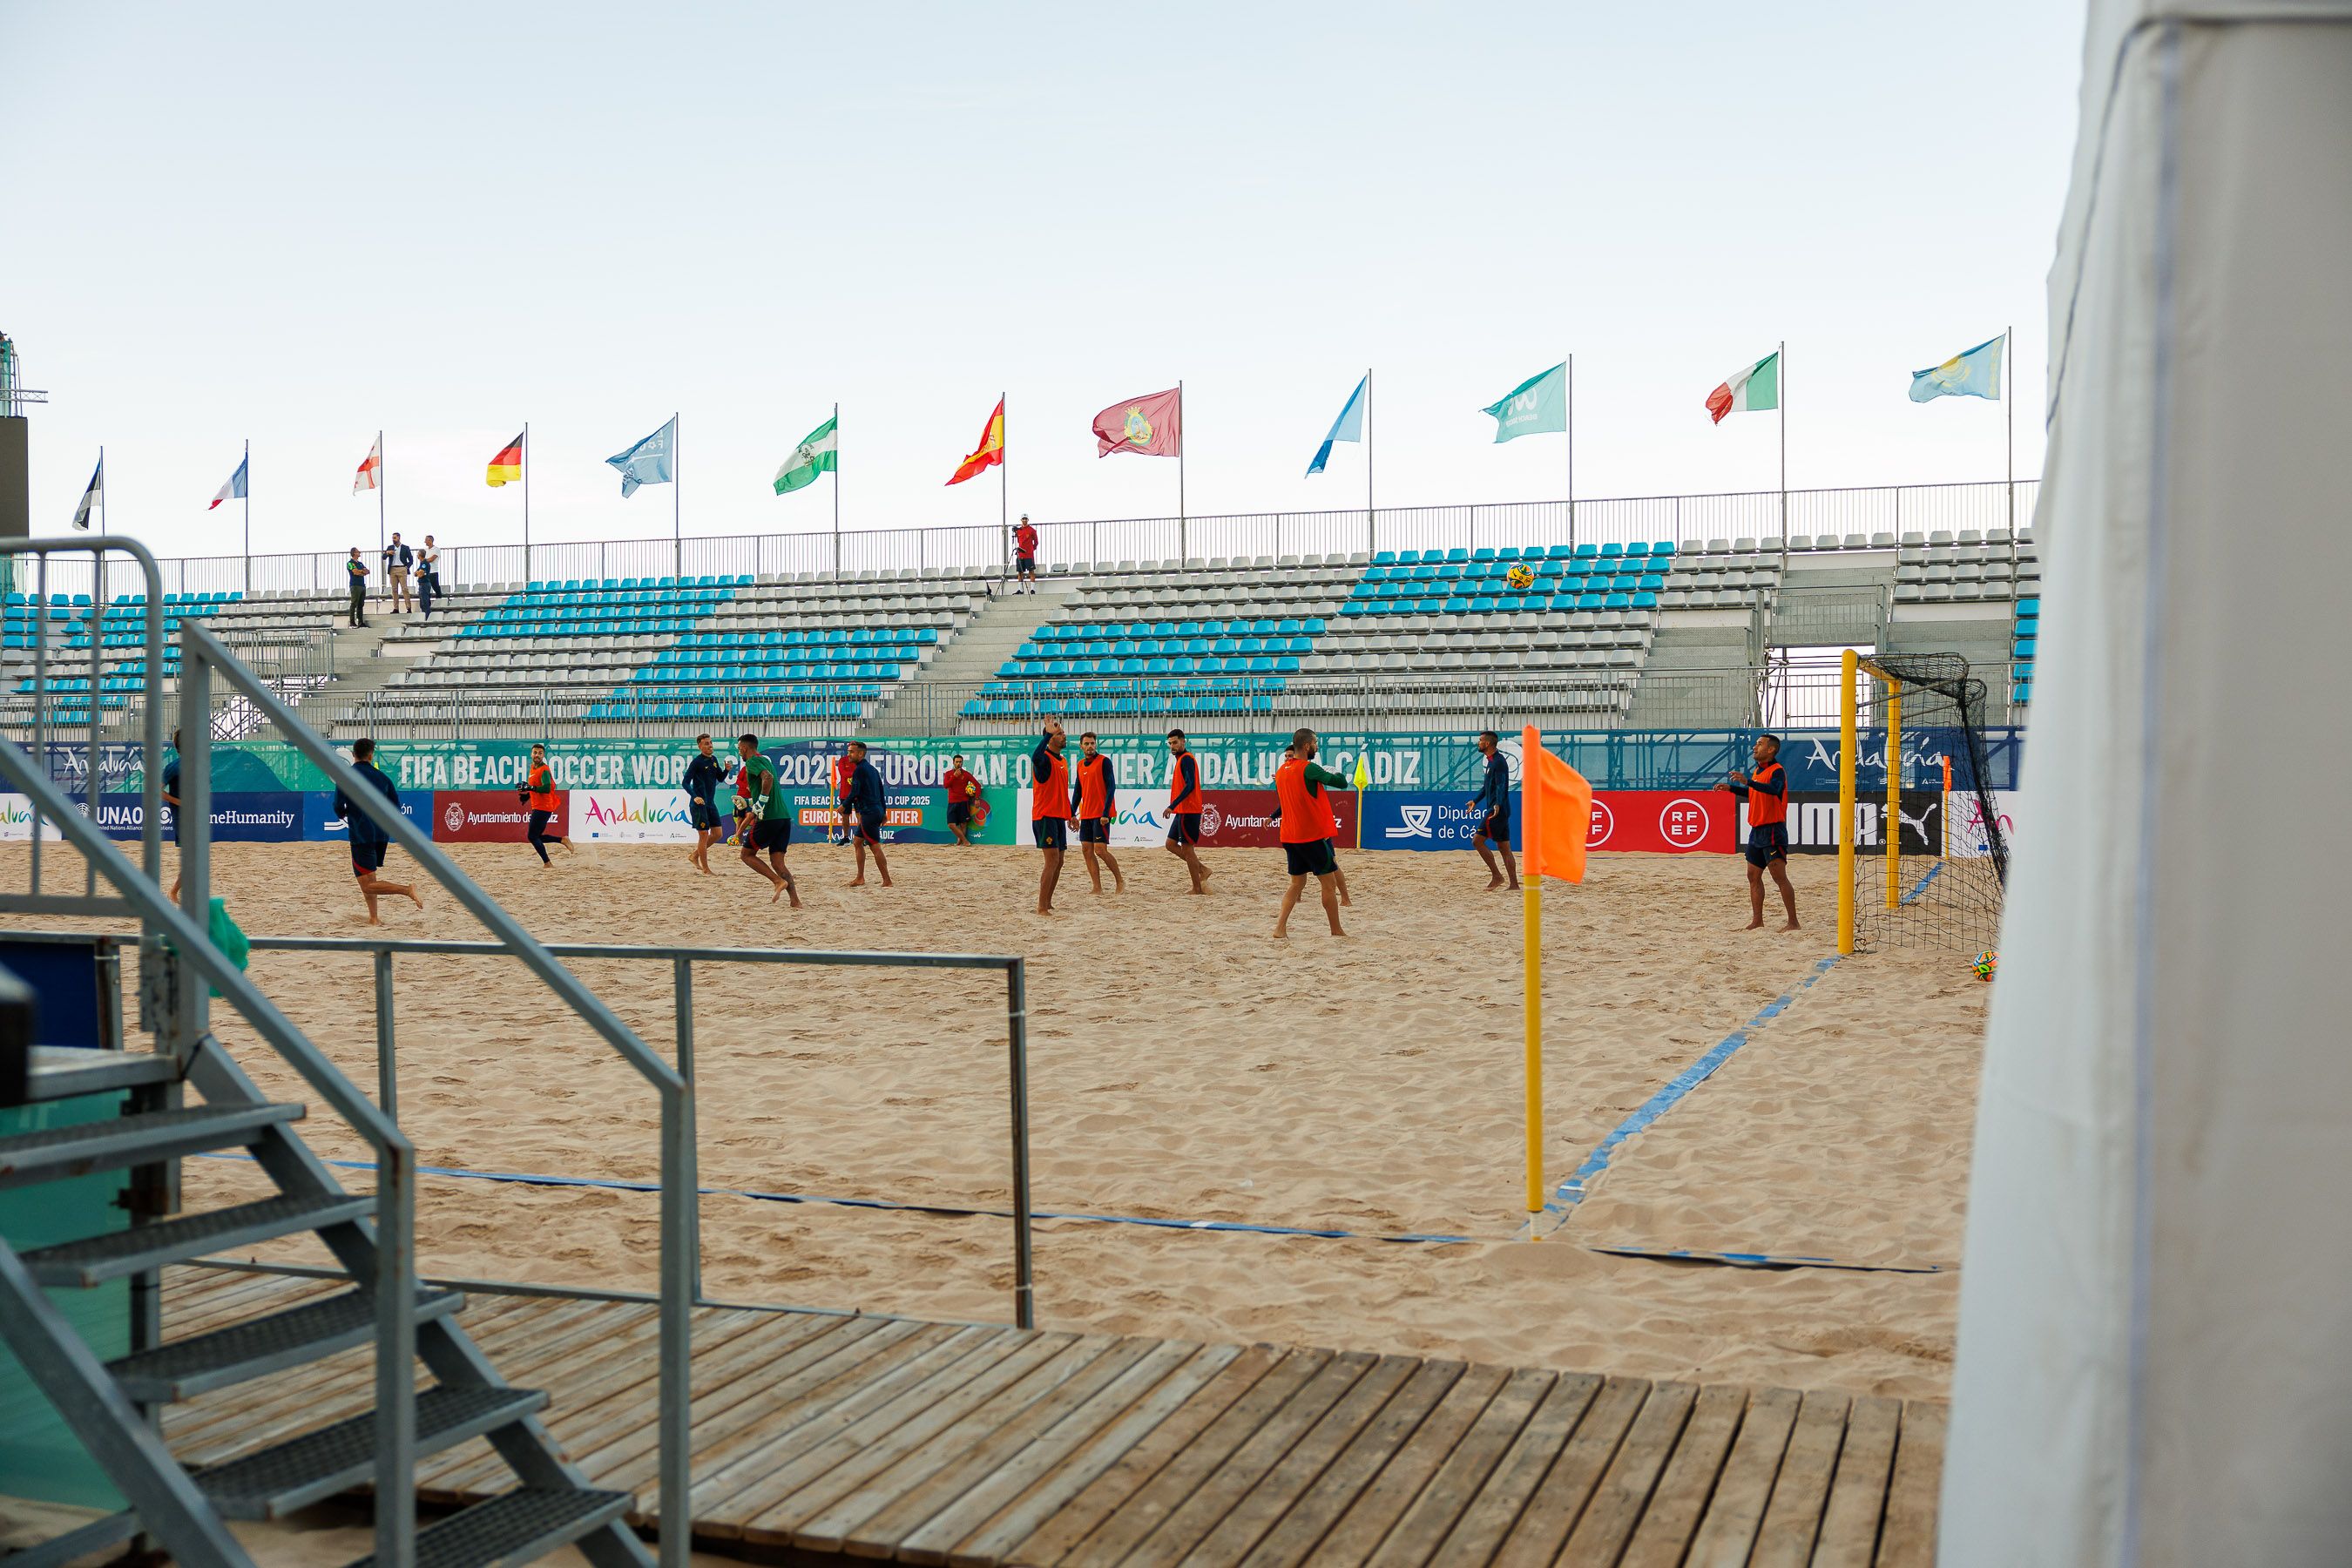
{"points": [[397, 560], [357, 570], [429, 576], [1025, 555]]}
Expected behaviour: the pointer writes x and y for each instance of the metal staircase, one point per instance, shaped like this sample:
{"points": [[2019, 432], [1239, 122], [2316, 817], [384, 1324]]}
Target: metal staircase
{"points": [[187, 1096]]}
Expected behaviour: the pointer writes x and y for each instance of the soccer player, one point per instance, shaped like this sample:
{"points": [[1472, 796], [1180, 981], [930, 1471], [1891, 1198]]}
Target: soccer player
{"points": [[1310, 833], [171, 794], [1184, 801], [703, 773], [1049, 809], [771, 817], [865, 811], [1494, 805], [1025, 555], [538, 792], [369, 839], [963, 791], [1767, 793], [1096, 803]]}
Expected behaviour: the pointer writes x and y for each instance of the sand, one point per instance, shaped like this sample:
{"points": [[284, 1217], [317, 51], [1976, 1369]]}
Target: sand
{"points": [[1182, 1066]]}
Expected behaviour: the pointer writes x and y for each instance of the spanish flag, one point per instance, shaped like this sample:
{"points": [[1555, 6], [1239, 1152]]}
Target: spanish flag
{"points": [[991, 451], [507, 467]]}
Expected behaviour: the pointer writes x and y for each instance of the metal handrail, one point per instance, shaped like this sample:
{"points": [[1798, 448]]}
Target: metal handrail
{"points": [[202, 654], [682, 959]]}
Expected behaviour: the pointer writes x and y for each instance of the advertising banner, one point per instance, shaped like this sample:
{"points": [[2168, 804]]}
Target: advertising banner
{"points": [[1230, 819], [16, 820], [273, 816], [319, 823], [479, 816], [621, 816], [1661, 822], [1812, 823]]}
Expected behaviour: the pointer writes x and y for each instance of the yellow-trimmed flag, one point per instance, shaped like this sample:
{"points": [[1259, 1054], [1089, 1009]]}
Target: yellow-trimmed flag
{"points": [[989, 453], [507, 467]]}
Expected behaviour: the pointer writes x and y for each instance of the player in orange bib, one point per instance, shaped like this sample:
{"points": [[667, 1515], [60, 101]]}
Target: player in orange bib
{"points": [[1049, 809], [1096, 805], [1767, 793], [538, 793], [1310, 830], [1184, 803]]}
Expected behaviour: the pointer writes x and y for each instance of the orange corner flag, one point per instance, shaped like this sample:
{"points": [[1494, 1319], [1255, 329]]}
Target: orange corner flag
{"points": [[1555, 812]]}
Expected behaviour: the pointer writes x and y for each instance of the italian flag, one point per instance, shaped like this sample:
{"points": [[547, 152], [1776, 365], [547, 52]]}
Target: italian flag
{"points": [[1749, 391]]}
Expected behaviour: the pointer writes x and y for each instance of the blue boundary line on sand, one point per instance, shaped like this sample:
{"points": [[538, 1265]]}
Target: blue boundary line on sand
{"points": [[1579, 1183]]}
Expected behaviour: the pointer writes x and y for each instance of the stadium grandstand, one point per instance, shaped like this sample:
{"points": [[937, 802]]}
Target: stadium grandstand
{"points": [[1684, 633]]}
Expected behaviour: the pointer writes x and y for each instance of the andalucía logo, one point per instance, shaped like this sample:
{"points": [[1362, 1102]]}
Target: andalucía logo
{"points": [[1416, 822], [637, 809]]}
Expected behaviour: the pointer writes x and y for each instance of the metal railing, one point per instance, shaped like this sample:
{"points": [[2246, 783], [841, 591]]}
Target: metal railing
{"points": [[682, 961], [1882, 509]]}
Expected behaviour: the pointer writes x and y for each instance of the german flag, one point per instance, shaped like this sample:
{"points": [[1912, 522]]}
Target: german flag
{"points": [[990, 451], [507, 467]]}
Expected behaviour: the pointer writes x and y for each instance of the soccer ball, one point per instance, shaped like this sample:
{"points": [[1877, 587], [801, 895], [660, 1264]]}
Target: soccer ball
{"points": [[1985, 963], [1519, 577]]}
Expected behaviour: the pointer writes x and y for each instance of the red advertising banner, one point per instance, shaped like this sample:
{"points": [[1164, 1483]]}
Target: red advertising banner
{"points": [[487, 815], [1667, 822], [1244, 818]]}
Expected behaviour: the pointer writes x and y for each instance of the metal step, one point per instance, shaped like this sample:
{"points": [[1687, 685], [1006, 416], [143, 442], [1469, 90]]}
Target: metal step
{"points": [[55, 1153], [81, 1264], [290, 1475], [520, 1527], [311, 1331], [60, 1072]]}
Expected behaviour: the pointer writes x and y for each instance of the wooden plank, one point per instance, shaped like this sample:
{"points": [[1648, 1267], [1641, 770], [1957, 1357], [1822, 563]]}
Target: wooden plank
{"points": [[1793, 1518], [1457, 1482], [1577, 1404], [1907, 1539], [233, 1299], [904, 1427], [959, 1497], [1624, 1489], [1287, 1485], [1368, 1520], [1849, 1533], [1681, 1494], [1014, 1476], [1353, 1468], [767, 1470], [1189, 1524], [897, 1483], [1184, 1470], [618, 1395], [1065, 1497], [1728, 1529]]}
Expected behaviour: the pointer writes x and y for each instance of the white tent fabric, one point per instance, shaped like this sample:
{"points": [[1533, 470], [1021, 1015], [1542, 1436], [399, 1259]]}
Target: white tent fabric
{"points": [[2155, 1362]]}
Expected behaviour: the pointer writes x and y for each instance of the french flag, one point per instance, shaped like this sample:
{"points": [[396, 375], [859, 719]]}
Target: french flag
{"points": [[235, 488]]}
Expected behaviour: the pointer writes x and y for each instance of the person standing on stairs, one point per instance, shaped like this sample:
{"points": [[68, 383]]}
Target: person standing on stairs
{"points": [[356, 570], [1025, 556], [429, 576], [398, 560]]}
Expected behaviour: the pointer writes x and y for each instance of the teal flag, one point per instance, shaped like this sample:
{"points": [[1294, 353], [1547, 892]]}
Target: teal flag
{"points": [[1972, 372], [1536, 406]]}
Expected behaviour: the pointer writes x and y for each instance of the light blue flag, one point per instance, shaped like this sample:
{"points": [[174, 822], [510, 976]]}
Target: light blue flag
{"points": [[1972, 372], [1536, 406], [651, 461], [1349, 427]]}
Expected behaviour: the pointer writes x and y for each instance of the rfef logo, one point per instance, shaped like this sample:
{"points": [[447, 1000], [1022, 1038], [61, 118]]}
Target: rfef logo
{"points": [[1605, 823], [1682, 823]]}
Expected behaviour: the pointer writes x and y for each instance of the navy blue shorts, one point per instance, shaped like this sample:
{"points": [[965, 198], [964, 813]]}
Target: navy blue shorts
{"points": [[1317, 858], [1094, 830], [702, 815], [1184, 827], [1051, 832], [367, 857], [1767, 842], [1495, 829], [867, 828]]}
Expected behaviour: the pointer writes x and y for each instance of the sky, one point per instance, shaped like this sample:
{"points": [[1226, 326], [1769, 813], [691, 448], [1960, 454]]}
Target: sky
{"points": [[299, 225]]}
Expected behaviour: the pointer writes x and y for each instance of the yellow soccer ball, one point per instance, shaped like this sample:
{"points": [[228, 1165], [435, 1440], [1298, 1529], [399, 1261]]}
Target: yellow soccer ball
{"points": [[1520, 578]]}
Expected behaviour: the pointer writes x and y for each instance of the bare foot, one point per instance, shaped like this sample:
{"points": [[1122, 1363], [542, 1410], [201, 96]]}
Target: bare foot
{"points": [[857, 881], [1281, 935], [420, 902], [793, 894], [887, 882], [1121, 884], [1756, 924], [1045, 909], [1790, 926], [1493, 883], [1514, 887], [779, 893]]}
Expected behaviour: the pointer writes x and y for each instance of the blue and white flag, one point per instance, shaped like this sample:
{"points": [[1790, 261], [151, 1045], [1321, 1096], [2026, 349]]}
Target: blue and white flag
{"points": [[1971, 372], [651, 461], [93, 499], [235, 488], [1349, 427]]}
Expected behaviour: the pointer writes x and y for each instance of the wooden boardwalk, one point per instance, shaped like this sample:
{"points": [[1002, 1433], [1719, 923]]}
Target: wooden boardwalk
{"points": [[935, 1443]]}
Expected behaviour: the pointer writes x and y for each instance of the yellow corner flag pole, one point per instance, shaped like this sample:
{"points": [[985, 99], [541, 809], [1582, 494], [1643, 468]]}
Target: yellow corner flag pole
{"points": [[1363, 782], [1531, 960], [1847, 735]]}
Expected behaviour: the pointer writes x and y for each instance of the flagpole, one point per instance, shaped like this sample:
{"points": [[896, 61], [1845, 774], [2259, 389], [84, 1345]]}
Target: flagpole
{"points": [[677, 483], [102, 492], [836, 489], [1571, 451], [526, 502], [1372, 518], [2008, 409], [1183, 552], [379, 494], [1782, 354], [247, 467]]}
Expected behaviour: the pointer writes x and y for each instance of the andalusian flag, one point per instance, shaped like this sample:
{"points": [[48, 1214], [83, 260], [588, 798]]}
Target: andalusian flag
{"points": [[507, 467], [818, 452], [991, 451], [1749, 391]]}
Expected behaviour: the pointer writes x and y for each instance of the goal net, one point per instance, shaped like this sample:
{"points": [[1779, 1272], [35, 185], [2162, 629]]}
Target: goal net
{"points": [[1923, 852]]}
